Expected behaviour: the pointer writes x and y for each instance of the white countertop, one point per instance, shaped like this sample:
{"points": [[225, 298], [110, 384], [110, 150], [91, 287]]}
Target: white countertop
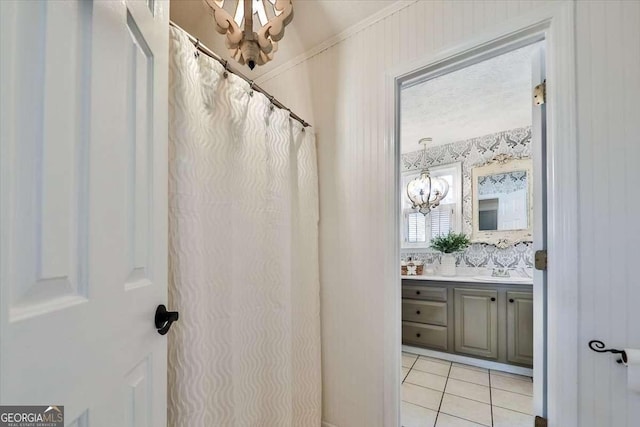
{"points": [[472, 275]]}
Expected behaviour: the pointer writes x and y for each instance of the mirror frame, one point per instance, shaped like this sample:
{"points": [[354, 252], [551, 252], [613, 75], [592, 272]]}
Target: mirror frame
{"points": [[502, 163]]}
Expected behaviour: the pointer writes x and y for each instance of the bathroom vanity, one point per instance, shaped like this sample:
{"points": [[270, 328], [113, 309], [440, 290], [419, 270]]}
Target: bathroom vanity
{"points": [[486, 318]]}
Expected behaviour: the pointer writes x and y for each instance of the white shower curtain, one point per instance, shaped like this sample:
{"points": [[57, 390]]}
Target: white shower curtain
{"points": [[243, 208]]}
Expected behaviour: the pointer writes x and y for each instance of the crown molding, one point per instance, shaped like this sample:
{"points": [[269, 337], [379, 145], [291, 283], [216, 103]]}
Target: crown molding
{"points": [[327, 44]]}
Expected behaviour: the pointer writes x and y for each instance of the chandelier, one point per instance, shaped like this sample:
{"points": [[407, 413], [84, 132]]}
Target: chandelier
{"points": [[248, 42], [424, 191]]}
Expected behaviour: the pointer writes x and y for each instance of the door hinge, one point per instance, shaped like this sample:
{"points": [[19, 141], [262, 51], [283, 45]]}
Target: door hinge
{"points": [[540, 422], [540, 259], [540, 93]]}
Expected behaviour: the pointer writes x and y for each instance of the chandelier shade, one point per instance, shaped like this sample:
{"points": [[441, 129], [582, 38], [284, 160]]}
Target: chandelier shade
{"points": [[426, 192], [251, 42]]}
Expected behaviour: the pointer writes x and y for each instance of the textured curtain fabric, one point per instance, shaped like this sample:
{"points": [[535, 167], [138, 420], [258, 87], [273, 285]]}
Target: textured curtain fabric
{"points": [[243, 254]]}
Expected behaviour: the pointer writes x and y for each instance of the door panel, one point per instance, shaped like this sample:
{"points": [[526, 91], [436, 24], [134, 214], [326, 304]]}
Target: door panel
{"points": [[476, 322], [520, 327], [83, 172]]}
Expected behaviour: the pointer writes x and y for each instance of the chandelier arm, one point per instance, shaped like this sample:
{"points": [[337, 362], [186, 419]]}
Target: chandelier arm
{"points": [[273, 31], [248, 20], [225, 24]]}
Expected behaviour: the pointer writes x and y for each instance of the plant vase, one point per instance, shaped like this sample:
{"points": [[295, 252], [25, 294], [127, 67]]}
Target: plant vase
{"points": [[448, 265]]}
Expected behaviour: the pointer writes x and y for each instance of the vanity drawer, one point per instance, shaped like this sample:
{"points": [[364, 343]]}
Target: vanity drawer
{"points": [[424, 292], [434, 313], [424, 335]]}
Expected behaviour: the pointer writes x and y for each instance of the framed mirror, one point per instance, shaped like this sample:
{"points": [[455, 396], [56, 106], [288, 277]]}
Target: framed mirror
{"points": [[502, 192]]}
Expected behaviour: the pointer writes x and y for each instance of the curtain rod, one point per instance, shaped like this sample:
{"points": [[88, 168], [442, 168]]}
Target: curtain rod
{"points": [[202, 48]]}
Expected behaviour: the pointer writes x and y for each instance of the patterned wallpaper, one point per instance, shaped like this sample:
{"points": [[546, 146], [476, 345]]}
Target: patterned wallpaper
{"points": [[474, 152]]}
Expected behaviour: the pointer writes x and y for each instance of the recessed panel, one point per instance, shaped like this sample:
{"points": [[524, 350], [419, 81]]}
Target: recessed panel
{"points": [[47, 200], [138, 397], [140, 133]]}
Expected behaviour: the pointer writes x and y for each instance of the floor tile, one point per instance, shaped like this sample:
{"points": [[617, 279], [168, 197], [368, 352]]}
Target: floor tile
{"points": [[468, 390], [417, 416], [513, 401], [445, 420], [433, 359], [473, 368], [511, 384], [465, 408], [506, 418], [510, 375], [408, 359], [432, 367], [469, 375], [421, 396], [426, 379]]}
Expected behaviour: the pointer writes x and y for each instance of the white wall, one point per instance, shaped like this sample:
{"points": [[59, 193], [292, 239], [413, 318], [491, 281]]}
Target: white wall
{"points": [[341, 91], [608, 63]]}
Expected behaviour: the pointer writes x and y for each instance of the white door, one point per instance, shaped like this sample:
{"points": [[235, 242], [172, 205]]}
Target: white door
{"points": [[83, 194], [539, 153]]}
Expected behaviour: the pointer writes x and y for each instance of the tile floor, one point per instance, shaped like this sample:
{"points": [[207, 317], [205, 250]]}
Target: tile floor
{"points": [[437, 393]]}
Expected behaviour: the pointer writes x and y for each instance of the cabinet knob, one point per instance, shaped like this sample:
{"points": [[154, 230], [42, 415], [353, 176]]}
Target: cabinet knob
{"points": [[418, 335], [418, 312], [493, 298], [417, 292], [511, 300]]}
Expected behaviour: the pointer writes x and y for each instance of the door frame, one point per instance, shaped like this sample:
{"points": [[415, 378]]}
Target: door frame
{"points": [[555, 25]]}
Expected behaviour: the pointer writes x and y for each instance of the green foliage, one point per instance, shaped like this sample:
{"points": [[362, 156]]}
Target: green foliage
{"points": [[450, 243]]}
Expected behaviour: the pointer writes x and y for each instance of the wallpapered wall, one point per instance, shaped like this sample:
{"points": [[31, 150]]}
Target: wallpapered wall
{"points": [[475, 152]]}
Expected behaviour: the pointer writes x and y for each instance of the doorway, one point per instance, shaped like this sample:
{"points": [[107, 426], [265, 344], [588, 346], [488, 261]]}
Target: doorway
{"points": [[468, 330], [554, 25]]}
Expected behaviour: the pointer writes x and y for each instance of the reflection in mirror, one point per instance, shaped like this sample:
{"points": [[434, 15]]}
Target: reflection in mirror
{"points": [[503, 201]]}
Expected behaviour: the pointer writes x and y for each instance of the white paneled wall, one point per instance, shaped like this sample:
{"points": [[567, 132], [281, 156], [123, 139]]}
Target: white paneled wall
{"points": [[608, 63], [341, 91]]}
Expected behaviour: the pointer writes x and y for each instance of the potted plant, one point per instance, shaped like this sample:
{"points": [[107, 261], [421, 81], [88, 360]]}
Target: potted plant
{"points": [[448, 244]]}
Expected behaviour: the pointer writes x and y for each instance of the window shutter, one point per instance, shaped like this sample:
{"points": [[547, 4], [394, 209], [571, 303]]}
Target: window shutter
{"points": [[417, 227], [441, 219]]}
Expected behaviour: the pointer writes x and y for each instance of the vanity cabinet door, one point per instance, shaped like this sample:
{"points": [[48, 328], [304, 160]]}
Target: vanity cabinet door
{"points": [[520, 327], [476, 322]]}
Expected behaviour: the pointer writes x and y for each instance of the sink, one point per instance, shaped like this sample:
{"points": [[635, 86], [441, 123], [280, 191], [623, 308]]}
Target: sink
{"points": [[503, 279]]}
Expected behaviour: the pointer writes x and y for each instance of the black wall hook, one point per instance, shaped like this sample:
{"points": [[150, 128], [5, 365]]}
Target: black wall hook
{"points": [[163, 319], [599, 347]]}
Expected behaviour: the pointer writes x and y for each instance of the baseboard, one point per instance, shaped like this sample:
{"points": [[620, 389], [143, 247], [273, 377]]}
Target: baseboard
{"points": [[469, 361], [326, 424]]}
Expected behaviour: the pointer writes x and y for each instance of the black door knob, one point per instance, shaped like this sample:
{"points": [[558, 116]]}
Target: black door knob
{"points": [[164, 319], [493, 298], [511, 300]]}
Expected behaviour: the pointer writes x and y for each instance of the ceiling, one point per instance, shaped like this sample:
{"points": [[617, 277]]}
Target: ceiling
{"points": [[488, 97], [314, 22]]}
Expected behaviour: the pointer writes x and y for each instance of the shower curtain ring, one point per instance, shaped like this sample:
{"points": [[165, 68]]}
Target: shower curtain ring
{"points": [[251, 87], [225, 64]]}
